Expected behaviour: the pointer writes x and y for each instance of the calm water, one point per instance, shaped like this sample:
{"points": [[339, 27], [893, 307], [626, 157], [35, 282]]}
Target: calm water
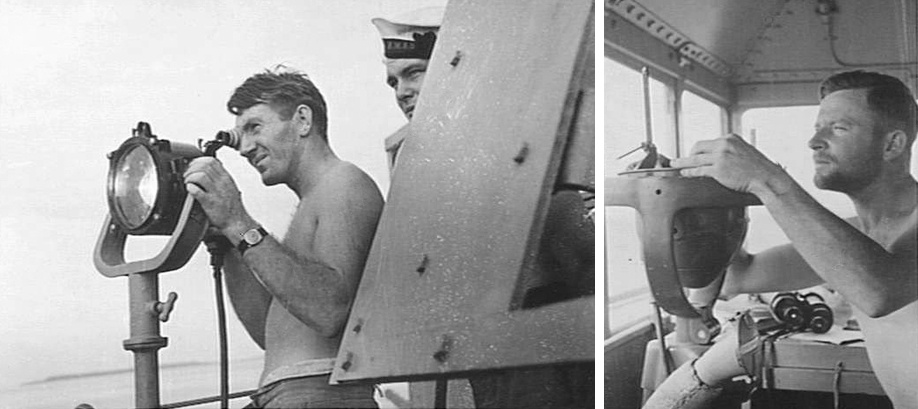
{"points": [[116, 391]]}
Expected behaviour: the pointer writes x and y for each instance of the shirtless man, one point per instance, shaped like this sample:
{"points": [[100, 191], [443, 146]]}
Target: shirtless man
{"points": [[862, 147], [293, 295]]}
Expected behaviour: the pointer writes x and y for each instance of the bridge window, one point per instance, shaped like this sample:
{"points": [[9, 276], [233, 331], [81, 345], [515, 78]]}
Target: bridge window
{"points": [[701, 120]]}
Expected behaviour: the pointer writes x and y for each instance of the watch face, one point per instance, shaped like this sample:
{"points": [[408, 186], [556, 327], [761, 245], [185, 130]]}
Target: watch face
{"points": [[252, 236]]}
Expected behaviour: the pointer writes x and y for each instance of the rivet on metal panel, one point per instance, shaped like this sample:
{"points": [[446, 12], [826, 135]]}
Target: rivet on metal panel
{"points": [[442, 354], [347, 362], [455, 61], [423, 267], [521, 155]]}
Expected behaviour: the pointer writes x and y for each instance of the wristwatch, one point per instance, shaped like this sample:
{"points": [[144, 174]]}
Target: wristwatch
{"points": [[251, 238]]}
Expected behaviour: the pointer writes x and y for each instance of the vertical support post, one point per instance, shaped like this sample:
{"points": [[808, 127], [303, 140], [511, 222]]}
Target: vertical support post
{"points": [[145, 340], [440, 393], [648, 120], [675, 95], [661, 337]]}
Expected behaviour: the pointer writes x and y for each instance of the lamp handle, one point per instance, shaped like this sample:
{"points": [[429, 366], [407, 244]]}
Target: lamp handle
{"points": [[108, 256]]}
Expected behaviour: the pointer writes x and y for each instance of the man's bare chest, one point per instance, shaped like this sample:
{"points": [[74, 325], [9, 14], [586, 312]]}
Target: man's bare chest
{"points": [[301, 233]]}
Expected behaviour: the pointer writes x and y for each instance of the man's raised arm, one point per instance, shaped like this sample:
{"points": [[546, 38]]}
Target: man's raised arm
{"points": [[317, 278], [876, 280]]}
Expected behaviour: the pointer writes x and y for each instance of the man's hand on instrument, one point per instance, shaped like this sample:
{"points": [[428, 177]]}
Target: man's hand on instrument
{"points": [[735, 164], [208, 181]]}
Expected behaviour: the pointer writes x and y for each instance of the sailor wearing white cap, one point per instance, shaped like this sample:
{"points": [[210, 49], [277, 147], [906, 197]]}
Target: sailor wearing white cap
{"points": [[408, 42]]}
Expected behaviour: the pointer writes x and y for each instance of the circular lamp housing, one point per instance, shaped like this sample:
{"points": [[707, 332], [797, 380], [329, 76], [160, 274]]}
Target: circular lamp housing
{"points": [[704, 241], [145, 184]]}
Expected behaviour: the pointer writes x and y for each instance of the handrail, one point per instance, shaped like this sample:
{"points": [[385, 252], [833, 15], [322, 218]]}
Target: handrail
{"points": [[209, 399]]}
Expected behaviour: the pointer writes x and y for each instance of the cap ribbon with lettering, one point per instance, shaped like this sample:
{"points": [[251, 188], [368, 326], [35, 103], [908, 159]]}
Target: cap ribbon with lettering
{"points": [[411, 35]]}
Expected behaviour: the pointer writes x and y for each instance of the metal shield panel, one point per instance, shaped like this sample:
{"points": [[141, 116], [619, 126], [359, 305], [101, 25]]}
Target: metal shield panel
{"points": [[468, 200]]}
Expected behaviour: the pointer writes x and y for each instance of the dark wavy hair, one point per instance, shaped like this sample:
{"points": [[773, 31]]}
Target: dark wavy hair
{"points": [[284, 90], [886, 95]]}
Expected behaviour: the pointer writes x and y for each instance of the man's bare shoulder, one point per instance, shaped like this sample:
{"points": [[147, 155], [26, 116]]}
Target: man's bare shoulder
{"points": [[900, 238], [349, 186], [344, 189]]}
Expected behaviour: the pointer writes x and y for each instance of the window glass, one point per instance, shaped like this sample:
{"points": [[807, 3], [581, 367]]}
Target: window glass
{"points": [[782, 135], [701, 120], [625, 120]]}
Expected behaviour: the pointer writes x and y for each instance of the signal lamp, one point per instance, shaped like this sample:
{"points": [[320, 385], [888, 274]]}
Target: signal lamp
{"points": [[145, 184], [147, 196]]}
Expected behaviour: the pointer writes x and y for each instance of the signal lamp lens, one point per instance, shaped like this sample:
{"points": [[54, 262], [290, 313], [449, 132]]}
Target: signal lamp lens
{"points": [[135, 186]]}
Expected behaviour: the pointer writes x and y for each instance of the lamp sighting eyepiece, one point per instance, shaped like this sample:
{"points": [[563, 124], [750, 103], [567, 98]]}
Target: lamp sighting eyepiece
{"points": [[230, 138]]}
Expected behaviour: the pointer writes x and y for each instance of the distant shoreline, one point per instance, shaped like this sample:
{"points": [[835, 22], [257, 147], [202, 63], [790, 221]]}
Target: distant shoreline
{"points": [[56, 378]]}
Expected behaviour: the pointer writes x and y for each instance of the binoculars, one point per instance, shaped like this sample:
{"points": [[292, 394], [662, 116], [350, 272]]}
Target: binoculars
{"points": [[802, 312]]}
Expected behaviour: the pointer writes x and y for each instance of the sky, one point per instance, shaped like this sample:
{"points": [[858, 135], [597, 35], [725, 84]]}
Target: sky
{"points": [[76, 77]]}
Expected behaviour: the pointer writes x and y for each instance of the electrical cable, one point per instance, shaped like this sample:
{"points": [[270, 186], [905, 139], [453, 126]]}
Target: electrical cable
{"points": [[224, 349], [836, 383], [218, 246]]}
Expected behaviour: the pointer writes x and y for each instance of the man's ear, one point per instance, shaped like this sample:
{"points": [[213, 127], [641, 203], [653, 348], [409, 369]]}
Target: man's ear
{"points": [[303, 116], [894, 144]]}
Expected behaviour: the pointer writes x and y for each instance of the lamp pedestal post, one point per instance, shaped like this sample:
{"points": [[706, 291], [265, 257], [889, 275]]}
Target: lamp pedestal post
{"points": [[145, 341], [147, 197]]}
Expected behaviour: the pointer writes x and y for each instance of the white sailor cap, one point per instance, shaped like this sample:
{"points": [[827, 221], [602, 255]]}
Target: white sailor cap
{"points": [[410, 35]]}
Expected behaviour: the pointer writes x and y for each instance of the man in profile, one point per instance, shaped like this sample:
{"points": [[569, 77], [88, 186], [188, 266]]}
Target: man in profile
{"points": [[294, 295], [862, 146], [408, 42]]}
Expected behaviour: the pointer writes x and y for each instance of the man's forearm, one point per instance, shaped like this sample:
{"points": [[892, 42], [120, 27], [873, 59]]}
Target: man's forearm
{"points": [[313, 292], [249, 298], [779, 268], [856, 265]]}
